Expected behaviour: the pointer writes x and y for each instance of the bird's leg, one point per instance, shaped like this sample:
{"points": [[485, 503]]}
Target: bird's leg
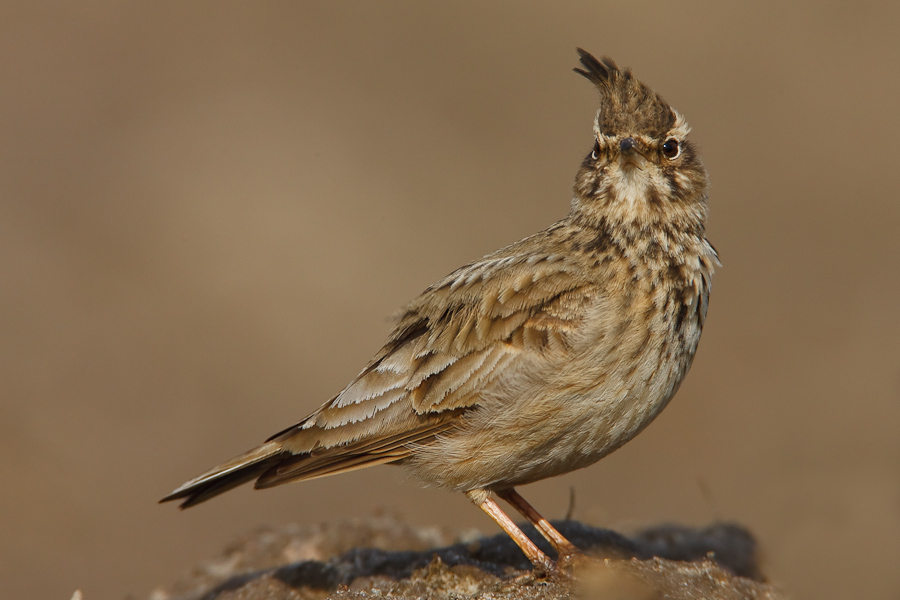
{"points": [[564, 548], [483, 500]]}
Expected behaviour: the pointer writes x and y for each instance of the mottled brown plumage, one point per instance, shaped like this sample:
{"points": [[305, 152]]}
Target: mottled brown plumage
{"points": [[541, 357]]}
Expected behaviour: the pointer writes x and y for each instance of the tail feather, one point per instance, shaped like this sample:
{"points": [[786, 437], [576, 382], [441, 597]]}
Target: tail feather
{"points": [[235, 472], [275, 463]]}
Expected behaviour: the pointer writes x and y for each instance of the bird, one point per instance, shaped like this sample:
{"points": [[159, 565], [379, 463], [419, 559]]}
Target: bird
{"points": [[541, 357]]}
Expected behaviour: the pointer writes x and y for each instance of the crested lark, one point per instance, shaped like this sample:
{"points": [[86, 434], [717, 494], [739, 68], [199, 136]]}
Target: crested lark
{"points": [[541, 357]]}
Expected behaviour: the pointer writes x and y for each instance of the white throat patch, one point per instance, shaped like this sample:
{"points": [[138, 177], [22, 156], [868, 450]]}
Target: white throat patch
{"points": [[630, 184]]}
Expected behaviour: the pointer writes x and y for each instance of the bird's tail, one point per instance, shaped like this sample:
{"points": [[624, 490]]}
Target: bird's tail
{"points": [[237, 471]]}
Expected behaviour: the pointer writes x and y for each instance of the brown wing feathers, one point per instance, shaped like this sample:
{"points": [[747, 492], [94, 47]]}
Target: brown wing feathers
{"points": [[447, 346], [343, 459]]}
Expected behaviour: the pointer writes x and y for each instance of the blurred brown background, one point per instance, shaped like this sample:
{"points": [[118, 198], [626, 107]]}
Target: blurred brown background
{"points": [[209, 210]]}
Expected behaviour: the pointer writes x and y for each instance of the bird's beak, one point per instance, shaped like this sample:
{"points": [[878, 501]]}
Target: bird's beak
{"points": [[630, 153]]}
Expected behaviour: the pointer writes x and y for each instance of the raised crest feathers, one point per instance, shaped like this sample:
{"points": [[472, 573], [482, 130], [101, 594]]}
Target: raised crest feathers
{"points": [[602, 72], [626, 103]]}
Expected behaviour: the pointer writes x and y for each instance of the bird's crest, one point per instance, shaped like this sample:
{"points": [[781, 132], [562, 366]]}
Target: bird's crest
{"points": [[603, 73], [627, 105]]}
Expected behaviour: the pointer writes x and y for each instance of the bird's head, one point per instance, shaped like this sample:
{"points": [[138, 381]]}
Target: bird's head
{"points": [[642, 170]]}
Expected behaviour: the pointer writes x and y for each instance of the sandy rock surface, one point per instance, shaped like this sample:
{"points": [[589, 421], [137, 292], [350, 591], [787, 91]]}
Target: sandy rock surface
{"points": [[381, 557]]}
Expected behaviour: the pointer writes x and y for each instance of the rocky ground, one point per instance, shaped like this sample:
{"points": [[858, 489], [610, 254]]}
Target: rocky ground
{"points": [[381, 557]]}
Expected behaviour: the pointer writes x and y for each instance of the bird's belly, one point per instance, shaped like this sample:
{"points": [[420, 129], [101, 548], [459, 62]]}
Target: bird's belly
{"points": [[547, 434]]}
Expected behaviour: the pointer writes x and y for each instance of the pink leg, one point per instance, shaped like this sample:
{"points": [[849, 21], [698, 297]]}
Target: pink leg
{"points": [[564, 548], [483, 500]]}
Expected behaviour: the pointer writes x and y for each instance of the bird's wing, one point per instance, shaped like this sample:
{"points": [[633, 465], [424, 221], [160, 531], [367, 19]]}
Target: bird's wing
{"points": [[463, 335], [456, 339]]}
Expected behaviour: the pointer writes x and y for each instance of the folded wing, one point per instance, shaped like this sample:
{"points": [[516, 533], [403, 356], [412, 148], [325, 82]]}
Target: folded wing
{"points": [[462, 336]]}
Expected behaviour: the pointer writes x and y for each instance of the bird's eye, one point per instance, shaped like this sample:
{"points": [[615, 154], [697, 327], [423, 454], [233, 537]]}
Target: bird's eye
{"points": [[671, 148], [595, 153]]}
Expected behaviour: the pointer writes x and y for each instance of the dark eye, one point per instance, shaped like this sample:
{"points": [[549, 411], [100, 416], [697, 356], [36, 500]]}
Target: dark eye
{"points": [[595, 153], [671, 148]]}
